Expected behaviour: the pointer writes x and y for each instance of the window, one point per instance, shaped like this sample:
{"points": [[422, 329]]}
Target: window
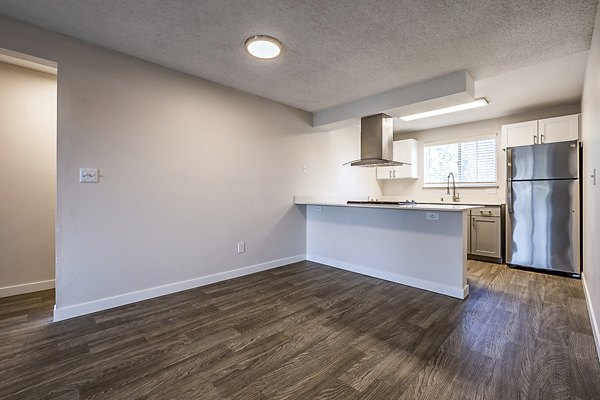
{"points": [[472, 160]]}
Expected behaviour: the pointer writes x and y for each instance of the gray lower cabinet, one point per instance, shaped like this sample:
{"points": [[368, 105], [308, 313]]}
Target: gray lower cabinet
{"points": [[485, 239], [485, 236]]}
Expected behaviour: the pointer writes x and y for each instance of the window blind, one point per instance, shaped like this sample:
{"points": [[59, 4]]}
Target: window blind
{"points": [[472, 160]]}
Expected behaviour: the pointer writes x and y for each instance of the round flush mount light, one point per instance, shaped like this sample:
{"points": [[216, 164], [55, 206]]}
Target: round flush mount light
{"points": [[263, 47]]}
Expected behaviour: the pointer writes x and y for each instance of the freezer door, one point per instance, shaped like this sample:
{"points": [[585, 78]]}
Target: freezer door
{"points": [[543, 161], [542, 225]]}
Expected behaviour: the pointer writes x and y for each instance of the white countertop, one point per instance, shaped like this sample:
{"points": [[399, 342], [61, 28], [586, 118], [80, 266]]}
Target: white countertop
{"points": [[465, 203], [332, 200], [462, 202], [413, 207]]}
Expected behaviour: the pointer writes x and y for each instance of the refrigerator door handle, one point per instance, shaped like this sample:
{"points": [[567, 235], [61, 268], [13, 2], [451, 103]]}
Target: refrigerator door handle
{"points": [[509, 163], [509, 152], [509, 197]]}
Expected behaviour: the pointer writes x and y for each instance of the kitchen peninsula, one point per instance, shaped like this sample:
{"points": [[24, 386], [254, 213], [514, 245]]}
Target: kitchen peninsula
{"points": [[419, 245]]}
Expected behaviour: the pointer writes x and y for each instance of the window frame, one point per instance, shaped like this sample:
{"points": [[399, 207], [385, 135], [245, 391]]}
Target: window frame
{"points": [[457, 141]]}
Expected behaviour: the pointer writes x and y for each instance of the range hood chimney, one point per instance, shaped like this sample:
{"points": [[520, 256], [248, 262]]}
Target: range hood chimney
{"points": [[376, 142]]}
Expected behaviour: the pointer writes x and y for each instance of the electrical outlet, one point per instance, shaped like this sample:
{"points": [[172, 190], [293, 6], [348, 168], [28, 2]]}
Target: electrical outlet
{"points": [[241, 247], [432, 216], [88, 175]]}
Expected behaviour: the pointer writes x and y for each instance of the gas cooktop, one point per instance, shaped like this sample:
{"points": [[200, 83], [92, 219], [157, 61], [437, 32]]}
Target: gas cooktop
{"points": [[394, 203]]}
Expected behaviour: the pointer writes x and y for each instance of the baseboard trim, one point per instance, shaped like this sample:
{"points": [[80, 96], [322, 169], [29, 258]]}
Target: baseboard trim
{"points": [[459, 293], [26, 288], [77, 310], [595, 329]]}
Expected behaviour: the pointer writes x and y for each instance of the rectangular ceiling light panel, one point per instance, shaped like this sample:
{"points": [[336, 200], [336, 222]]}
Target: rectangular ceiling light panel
{"points": [[446, 110]]}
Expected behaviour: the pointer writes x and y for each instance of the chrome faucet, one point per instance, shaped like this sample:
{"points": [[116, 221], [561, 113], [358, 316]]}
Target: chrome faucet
{"points": [[455, 196]]}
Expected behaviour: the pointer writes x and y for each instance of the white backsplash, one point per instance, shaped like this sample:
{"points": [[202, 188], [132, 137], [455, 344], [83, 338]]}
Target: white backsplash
{"points": [[396, 191]]}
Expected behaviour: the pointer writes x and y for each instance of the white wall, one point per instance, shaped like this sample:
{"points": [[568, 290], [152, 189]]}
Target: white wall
{"points": [[27, 179], [413, 189], [187, 169], [591, 193], [324, 156]]}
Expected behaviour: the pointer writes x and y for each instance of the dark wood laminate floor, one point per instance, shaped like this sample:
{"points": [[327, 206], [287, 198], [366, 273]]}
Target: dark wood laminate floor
{"points": [[308, 331]]}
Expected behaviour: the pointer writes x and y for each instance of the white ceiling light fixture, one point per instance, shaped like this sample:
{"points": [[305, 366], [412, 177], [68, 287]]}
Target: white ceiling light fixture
{"points": [[263, 47], [446, 110]]}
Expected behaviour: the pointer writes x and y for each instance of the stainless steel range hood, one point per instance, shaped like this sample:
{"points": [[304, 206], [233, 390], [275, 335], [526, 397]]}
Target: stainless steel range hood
{"points": [[376, 142]]}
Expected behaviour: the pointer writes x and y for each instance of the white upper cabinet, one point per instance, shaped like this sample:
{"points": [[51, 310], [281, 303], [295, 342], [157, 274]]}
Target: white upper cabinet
{"points": [[559, 129], [385, 172], [520, 134], [547, 130], [406, 151]]}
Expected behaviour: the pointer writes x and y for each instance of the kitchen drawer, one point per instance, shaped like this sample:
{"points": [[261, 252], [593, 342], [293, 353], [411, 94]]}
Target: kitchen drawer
{"points": [[486, 212]]}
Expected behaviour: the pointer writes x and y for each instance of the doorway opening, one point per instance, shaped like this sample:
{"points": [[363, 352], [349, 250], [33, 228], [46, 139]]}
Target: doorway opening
{"points": [[28, 140]]}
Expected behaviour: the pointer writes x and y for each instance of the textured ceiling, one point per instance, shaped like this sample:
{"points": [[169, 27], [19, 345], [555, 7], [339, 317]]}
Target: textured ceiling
{"points": [[335, 51], [547, 84]]}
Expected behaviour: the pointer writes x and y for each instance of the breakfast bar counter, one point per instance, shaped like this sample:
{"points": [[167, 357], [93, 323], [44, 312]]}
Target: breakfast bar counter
{"points": [[419, 245]]}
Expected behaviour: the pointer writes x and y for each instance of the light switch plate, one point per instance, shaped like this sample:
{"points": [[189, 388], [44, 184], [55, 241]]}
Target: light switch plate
{"points": [[88, 175], [241, 247]]}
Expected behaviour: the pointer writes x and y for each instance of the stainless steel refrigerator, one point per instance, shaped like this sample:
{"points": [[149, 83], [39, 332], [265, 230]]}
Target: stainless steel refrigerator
{"points": [[542, 207]]}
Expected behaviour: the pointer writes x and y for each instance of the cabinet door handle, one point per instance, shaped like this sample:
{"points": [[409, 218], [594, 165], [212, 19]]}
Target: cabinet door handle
{"points": [[542, 141], [473, 221], [534, 139], [390, 173], [394, 173]]}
